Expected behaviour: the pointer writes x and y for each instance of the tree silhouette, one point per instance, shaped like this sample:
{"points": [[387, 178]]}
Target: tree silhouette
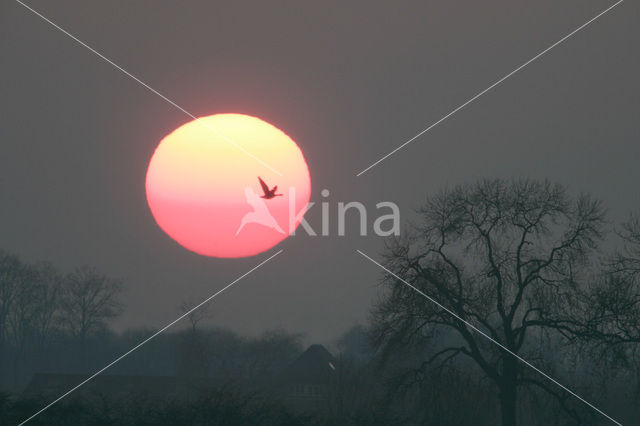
{"points": [[500, 255], [88, 300], [606, 314], [11, 277], [48, 288]]}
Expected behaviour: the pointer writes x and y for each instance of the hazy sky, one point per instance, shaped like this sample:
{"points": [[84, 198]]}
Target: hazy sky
{"points": [[347, 82]]}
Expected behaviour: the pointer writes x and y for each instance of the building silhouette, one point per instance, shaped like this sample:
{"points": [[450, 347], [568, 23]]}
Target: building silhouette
{"points": [[307, 383]]}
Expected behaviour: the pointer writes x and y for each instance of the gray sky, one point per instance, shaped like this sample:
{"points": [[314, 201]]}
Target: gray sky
{"points": [[348, 83]]}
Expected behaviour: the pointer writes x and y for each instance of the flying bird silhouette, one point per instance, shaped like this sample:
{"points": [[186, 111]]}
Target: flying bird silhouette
{"points": [[268, 193]]}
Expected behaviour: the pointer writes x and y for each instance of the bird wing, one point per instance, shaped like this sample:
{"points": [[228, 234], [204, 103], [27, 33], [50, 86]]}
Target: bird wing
{"points": [[264, 186]]}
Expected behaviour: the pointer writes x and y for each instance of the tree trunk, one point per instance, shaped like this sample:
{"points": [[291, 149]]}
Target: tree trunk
{"points": [[508, 391], [508, 405]]}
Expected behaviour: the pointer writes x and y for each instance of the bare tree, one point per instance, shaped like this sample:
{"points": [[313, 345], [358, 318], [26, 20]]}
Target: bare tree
{"points": [[89, 299], [11, 277], [21, 314], [48, 289], [610, 306], [29, 296], [195, 356], [503, 255], [204, 312]]}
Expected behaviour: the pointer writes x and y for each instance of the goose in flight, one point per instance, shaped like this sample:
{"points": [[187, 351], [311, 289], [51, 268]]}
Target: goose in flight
{"points": [[268, 193]]}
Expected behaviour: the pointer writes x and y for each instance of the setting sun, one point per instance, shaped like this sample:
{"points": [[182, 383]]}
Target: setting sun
{"points": [[203, 185]]}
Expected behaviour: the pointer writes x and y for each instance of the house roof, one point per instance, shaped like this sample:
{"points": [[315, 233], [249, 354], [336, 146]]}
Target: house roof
{"points": [[315, 365]]}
